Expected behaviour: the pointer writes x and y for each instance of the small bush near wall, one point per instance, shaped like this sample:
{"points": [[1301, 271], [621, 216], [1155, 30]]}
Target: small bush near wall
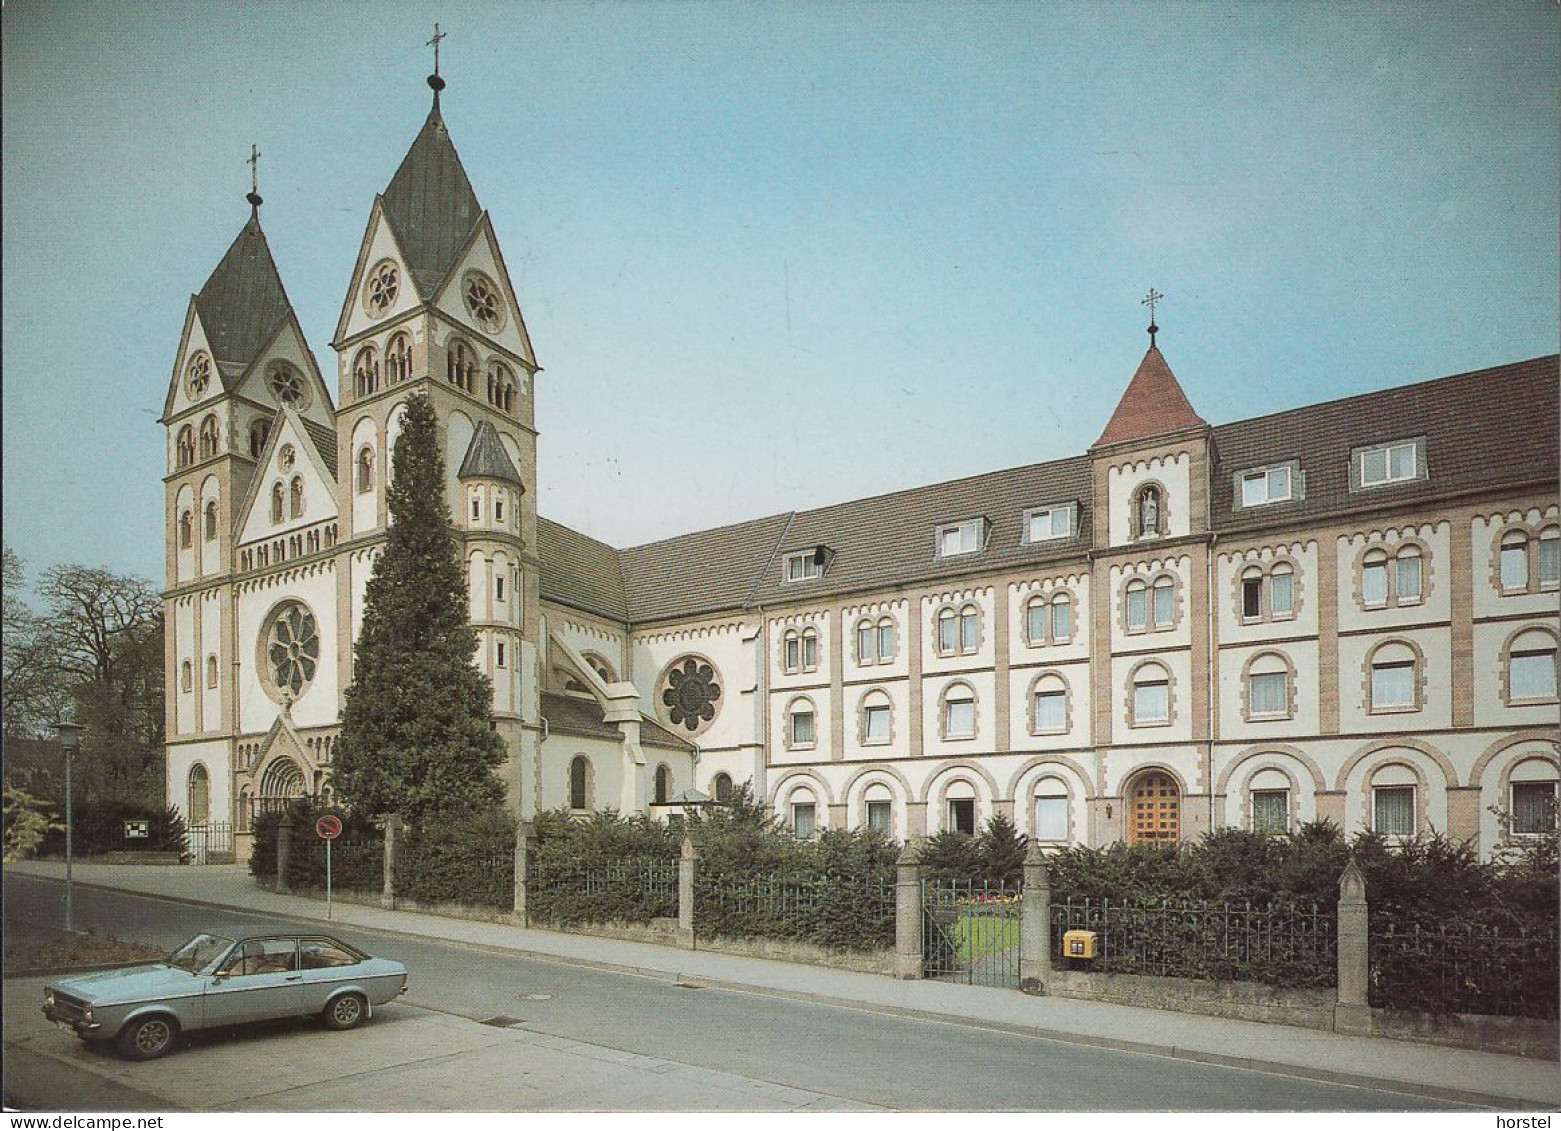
{"points": [[99, 826], [470, 861], [357, 856]]}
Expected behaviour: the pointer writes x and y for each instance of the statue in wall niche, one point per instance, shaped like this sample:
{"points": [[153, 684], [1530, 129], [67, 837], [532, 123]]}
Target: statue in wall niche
{"points": [[1149, 511]]}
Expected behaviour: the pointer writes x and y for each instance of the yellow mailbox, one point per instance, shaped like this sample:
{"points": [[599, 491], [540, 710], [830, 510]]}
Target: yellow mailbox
{"points": [[1078, 944]]}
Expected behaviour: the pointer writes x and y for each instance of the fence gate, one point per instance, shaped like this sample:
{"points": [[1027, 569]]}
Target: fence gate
{"points": [[970, 932], [210, 844]]}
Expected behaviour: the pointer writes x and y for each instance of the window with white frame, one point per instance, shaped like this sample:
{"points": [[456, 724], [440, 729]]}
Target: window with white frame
{"points": [[880, 815], [1393, 810], [1151, 695], [1047, 523], [1384, 464], [806, 565], [959, 630], [1268, 594], [1533, 808], [800, 650], [1265, 485], [957, 538], [1514, 562], [804, 817], [1051, 812], [1271, 811], [962, 814], [1048, 619], [959, 712], [1268, 687], [875, 641], [1548, 564], [1392, 578], [1049, 704], [876, 718], [800, 729], [1529, 563], [1151, 605], [1395, 669], [1531, 667]]}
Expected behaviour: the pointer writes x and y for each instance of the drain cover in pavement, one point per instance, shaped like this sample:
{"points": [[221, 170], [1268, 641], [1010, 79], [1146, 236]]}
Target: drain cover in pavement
{"points": [[501, 1021]]}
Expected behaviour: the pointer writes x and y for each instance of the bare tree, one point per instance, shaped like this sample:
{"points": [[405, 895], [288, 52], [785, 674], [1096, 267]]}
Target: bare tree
{"points": [[32, 694]]}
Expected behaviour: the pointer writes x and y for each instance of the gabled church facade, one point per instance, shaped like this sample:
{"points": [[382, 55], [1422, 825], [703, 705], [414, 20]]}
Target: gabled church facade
{"points": [[1344, 611]]}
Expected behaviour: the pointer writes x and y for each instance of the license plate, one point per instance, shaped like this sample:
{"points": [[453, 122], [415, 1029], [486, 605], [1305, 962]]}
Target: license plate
{"points": [[66, 1028]]}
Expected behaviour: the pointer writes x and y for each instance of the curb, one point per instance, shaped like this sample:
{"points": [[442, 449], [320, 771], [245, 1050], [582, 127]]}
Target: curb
{"points": [[1491, 1100]]}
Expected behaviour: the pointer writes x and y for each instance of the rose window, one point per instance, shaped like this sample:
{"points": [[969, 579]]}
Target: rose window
{"points": [[288, 385], [482, 301], [379, 294], [199, 375], [691, 693], [293, 648]]}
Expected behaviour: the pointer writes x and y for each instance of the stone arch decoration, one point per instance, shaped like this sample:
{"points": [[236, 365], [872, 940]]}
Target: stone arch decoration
{"points": [[1041, 763], [970, 767], [198, 795], [874, 773], [1319, 782], [1397, 742], [788, 781], [282, 781], [688, 693]]}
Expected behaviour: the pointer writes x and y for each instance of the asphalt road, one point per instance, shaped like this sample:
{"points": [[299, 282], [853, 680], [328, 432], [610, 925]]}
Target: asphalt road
{"points": [[856, 1055]]}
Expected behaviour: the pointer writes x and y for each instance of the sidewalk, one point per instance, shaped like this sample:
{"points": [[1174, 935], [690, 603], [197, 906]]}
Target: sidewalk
{"points": [[1429, 1070]]}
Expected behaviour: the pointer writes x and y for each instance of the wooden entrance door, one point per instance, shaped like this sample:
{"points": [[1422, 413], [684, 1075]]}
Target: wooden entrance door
{"points": [[1155, 813]]}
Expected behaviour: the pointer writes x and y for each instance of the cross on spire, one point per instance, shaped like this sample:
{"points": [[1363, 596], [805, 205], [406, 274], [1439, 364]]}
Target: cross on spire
{"points": [[1150, 299], [434, 80], [254, 178]]}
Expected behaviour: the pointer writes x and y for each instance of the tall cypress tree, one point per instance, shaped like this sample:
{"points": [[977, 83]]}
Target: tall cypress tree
{"points": [[415, 734]]}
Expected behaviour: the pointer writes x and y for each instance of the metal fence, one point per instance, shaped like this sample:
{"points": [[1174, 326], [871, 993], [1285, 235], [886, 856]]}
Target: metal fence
{"points": [[970, 932], [1511, 972], [632, 890], [1278, 944], [209, 841], [839, 913]]}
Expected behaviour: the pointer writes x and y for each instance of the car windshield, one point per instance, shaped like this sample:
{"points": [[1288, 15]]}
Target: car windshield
{"points": [[200, 952]]}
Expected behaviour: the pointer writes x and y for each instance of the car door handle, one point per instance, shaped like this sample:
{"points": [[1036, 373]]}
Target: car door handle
{"points": [[293, 978]]}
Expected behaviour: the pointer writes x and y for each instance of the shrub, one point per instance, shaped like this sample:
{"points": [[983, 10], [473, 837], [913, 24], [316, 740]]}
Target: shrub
{"points": [[98, 825], [469, 861]]}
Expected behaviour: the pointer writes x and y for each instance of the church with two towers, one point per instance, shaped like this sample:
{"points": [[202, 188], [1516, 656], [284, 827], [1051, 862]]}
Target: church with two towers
{"points": [[1342, 611]]}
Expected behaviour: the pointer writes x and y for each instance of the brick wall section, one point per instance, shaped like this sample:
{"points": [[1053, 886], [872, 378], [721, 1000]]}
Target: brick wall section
{"points": [[1328, 641], [1460, 573], [842, 712], [1000, 721]]}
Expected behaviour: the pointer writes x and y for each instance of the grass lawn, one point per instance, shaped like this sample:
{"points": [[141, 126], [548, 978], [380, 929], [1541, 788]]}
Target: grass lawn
{"points": [[977, 935], [33, 949]]}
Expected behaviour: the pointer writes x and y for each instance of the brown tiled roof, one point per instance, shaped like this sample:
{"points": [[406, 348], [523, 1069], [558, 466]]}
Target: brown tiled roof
{"points": [[706, 572], [579, 571], [323, 436], [1488, 429], [430, 205], [566, 714], [1153, 404], [243, 303]]}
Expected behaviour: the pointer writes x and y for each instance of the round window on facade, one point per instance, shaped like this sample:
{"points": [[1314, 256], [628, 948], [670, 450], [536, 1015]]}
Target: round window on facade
{"points": [[289, 650], [288, 385], [197, 375], [483, 301], [689, 694], [381, 288]]}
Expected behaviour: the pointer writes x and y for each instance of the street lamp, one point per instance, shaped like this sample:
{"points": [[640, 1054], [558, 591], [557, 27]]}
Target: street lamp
{"points": [[70, 738]]}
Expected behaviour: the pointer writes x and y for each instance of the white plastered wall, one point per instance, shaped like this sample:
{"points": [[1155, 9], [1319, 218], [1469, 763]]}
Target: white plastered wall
{"points": [[1174, 473]]}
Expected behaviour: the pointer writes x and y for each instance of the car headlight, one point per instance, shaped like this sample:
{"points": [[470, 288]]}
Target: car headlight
{"points": [[48, 997], [86, 1014]]}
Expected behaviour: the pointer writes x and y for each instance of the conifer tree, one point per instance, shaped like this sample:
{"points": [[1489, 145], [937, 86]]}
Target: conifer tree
{"points": [[415, 734]]}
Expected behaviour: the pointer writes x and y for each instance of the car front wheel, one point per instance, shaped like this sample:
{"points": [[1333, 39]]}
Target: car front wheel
{"points": [[148, 1038], [346, 1012]]}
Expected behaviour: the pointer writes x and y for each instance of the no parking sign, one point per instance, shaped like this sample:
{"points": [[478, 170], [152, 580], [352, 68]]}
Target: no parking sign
{"points": [[328, 828]]}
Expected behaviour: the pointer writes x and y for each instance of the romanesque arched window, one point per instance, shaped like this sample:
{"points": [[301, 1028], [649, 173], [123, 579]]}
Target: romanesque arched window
{"points": [[295, 495], [398, 358], [365, 372], [579, 783], [198, 796], [211, 521], [365, 465], [663, 784], [208, 437], [276, 501], [186, 527], [258, 433], [461, 366], [184, 447]]}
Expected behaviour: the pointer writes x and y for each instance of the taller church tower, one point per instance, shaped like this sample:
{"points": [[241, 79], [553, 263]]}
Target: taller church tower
{"points": [[430, 308]]}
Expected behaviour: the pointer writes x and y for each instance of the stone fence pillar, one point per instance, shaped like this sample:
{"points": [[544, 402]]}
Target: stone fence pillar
{"points": [[686, 862], [1035, 949], [387, 895], [908, 928], [284, 849], [1351, 1013], [525, 845]]}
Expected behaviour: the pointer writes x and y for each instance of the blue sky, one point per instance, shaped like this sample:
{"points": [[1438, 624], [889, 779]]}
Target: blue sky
{"points": [[777, 255]]}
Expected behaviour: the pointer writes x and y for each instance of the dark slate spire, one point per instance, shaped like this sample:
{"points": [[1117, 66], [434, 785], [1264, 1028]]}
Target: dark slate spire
{"points": [[487, 459], [430, 205], [243, 303]]}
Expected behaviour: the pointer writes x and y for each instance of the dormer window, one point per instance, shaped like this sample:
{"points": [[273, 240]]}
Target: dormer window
{"points": [[957, 538], [807, 564], [1047, 523], [1264, 485], [1384, 464]]}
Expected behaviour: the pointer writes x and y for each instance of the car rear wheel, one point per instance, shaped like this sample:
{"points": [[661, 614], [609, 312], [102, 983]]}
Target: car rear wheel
{"points": [[346, 1012], [148, 1038]]}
